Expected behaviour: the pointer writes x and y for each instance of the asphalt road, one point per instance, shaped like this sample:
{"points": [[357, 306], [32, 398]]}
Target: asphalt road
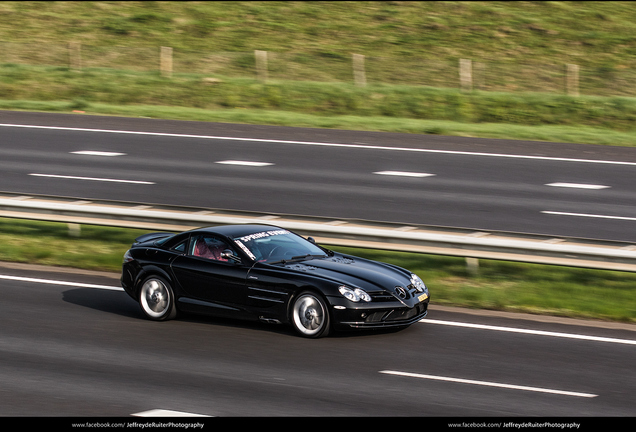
{"points": [[546, 188], [84, 350], [75, 350]]}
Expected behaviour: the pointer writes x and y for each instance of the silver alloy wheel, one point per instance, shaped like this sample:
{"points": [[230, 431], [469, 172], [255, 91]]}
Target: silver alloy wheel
{"points": [[155, 298], [310, 316]]}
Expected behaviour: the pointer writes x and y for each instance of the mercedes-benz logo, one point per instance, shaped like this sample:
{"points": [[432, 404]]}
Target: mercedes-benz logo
{"points": [[401, 292]]}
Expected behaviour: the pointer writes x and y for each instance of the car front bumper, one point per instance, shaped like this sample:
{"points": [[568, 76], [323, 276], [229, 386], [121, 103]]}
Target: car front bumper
{"points": [[380, 315]]}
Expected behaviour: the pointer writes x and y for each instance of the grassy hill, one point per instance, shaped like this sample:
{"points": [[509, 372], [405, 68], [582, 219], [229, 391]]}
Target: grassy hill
{"points": [[595, 34], [519, 52]]}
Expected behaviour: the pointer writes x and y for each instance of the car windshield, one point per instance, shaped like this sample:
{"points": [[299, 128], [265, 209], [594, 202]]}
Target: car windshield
{"points": [[278, 245]]}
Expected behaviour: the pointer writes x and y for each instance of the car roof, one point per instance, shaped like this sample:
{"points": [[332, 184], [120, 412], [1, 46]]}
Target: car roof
{"points": [[236, 230]]}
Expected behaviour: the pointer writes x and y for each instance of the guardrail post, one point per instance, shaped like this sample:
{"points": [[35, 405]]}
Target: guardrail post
{"points": [[74, 230], [472, 265]]}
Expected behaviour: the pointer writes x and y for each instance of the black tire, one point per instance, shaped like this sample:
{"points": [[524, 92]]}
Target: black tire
{"points": [[310, 316], [156, 299]]}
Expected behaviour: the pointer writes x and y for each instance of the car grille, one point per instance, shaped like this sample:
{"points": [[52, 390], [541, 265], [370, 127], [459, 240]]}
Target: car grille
{"points": [[382, 297], [402, 293], [396, 315]]}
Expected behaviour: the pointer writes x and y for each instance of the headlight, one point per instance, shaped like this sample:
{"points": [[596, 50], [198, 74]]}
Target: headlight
{"points": [[354, 294], [128, 257], [417, 283]]}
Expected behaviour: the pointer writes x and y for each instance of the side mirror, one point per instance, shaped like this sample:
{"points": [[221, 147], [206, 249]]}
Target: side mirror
{"points": [[311, 239], [229, 255]]}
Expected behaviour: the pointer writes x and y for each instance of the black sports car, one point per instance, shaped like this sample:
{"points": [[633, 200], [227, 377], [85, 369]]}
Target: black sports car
{"points": [[268, 273]]}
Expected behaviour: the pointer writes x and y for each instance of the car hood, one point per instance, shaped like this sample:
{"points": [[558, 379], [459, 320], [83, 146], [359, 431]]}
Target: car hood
{"points": [[356, 272]]}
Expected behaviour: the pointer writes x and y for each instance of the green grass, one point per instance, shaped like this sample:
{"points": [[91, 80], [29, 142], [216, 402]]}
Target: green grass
{"points": [[598, 34], [391, 108], [46, 243], [506, 286], [412, 51], [552, 133], [120, 87]]}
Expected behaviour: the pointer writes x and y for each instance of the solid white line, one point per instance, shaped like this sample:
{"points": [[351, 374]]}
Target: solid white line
{"points": [[577, 185], [309, 143], [91, 179], [532, 332], [244, 163], [403, 174], [58, 282], [165, 413], [426, 321], [97, 153], [489, 384], [589, 215]]}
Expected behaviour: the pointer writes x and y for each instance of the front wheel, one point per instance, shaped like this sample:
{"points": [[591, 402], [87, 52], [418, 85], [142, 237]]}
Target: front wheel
{"points": [[310, 316], [156, 299]]}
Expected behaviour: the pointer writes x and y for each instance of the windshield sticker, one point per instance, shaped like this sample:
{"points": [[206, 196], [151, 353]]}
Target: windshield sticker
{"points": [[263, 234], [245, 249]]}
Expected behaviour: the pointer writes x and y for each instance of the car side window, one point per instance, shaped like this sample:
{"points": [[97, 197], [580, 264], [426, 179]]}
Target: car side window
{"points": [[209, 247], [180, 247]]}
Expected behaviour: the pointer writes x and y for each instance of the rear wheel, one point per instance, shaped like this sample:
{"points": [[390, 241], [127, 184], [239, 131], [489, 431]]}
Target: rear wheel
{"points": [[310, 316], [156, 299]]}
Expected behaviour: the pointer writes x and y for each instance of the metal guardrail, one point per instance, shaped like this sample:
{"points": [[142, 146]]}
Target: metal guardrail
{"points": [[472, 244]]}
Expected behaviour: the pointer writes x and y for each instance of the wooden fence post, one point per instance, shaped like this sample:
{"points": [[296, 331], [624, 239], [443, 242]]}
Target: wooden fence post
{"points": [[359, 75], [75, 56], [572, 79], [465, 75], [165, 62], [261, 65]]}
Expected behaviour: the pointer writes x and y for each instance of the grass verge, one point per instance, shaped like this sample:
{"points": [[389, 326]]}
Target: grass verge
{"points": [[515, 287], [378, 107], [404, 108], [550, 133]]}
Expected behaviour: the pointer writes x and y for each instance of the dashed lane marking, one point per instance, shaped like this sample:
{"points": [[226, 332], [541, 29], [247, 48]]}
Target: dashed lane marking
{"points": [[98, 153], [244, 163], [403, 174], [577, 185]]}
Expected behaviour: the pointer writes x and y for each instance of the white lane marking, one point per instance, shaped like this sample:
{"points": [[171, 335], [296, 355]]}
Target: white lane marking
{"points": [[490, 384], [98, 153], [532, 332], [589, 215], [309, 143], [166, 413], [577, 185], [244, 163], [58, 282], [91, 179], [403, 174], [426, 321]]}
